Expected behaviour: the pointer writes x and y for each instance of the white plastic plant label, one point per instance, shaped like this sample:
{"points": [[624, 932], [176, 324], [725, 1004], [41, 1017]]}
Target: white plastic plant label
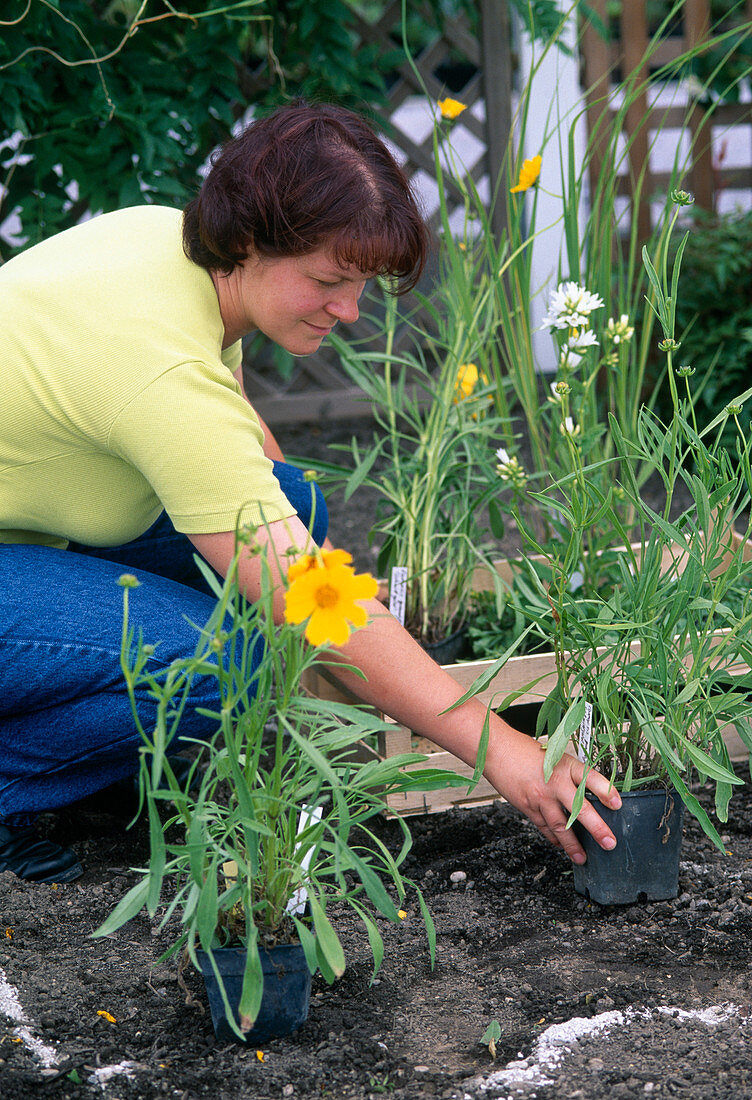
{"points": [[309, 815], [586, 731], [398, 592]]}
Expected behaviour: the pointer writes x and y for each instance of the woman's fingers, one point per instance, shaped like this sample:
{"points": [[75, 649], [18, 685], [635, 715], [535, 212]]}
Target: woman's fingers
{"points": [[548, 804], [602, 789], [567, 777]]}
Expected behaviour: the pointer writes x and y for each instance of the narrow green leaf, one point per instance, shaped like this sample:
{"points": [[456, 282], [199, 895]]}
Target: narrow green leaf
{"points": [[710, 767], [361, 473], [496, 520], [429, 925], [480, 684], [308, 943], [253, 982], [327, 940], [133, 902], [561, 736], [375, 941], [208, 907]]}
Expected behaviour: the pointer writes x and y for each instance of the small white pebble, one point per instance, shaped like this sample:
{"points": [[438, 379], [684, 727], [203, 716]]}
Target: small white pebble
{"points": [[457, 876]]}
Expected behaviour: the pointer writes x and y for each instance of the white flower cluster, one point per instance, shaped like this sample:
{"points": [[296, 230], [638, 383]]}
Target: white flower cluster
{"points": [[510, 469], [570, 307], [619, 332]]}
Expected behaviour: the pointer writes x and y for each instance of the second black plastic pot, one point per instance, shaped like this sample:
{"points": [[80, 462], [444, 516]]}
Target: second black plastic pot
{"points": [[644, 865], [286, 998]]}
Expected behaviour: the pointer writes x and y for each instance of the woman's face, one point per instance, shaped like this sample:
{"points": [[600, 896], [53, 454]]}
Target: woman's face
{"points": [[295, 301]]}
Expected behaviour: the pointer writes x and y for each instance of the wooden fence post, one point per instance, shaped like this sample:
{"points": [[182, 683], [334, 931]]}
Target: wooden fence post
{"points": [[696, 26], [497, 94], [596, 74], [634, 36]]}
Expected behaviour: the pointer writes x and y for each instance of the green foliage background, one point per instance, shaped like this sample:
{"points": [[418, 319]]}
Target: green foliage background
{"points": [[143, 118], [131, 116], [714, 312]]}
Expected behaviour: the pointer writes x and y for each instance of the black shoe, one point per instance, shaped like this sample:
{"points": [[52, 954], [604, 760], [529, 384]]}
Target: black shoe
{"points": [[24, 852]]}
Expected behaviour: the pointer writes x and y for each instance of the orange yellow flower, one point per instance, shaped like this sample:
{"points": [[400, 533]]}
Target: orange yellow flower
{"points": [[528, 174], [466, 381], [312, 561], [324, 589], [451, 108], [468, 377], [106, 1016]]}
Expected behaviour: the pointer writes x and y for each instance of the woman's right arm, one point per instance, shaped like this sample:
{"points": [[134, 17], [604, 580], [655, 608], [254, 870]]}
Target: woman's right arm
{"points": [[405, 683]]}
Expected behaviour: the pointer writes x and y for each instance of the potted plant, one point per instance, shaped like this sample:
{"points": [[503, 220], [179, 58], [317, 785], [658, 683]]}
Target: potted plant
{"points": [[431, 463], [273, 821], [437, 414], [654, 669]]}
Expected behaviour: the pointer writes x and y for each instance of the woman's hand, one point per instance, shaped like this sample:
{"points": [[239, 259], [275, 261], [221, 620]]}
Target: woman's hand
{"points": [[514, 765]]}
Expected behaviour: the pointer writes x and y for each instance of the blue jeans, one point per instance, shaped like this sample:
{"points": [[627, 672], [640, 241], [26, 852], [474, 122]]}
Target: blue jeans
{"points": [[66, 725]]}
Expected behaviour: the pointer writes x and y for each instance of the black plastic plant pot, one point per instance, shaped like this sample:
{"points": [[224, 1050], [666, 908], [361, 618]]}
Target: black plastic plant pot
{"points": [[286, 998], [644, 865], [449, 649]]}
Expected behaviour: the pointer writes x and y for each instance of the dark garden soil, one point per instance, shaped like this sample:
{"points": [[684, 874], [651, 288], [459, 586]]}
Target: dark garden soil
{"points": [[652, 1000]]}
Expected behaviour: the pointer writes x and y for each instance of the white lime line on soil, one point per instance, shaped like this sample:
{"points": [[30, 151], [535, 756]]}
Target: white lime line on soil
{"points": [[10, 1006], [553, 1044], [103, 1074], [47, 1056]]}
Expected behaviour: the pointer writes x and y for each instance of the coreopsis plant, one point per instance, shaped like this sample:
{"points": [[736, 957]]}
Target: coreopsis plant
{"points": [[323, 592], [273, 823]]}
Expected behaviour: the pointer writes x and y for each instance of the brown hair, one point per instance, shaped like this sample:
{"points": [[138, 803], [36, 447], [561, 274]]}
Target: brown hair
{"points": [[303, 178]]}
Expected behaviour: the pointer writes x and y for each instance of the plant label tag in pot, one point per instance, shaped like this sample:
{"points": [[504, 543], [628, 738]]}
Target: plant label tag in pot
{"points": [[398, 592], [309, 815], [586, 730]]}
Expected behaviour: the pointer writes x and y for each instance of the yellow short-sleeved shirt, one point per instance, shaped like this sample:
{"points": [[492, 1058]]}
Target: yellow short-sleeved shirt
{"points": [[117, 400]]}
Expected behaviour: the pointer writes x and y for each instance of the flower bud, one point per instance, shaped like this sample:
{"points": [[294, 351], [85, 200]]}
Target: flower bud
{"points": [[127, 580], [681, 198]]}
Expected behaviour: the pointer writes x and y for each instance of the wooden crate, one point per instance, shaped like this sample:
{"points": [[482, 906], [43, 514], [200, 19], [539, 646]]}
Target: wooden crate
{"points": [[530, 679]]}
